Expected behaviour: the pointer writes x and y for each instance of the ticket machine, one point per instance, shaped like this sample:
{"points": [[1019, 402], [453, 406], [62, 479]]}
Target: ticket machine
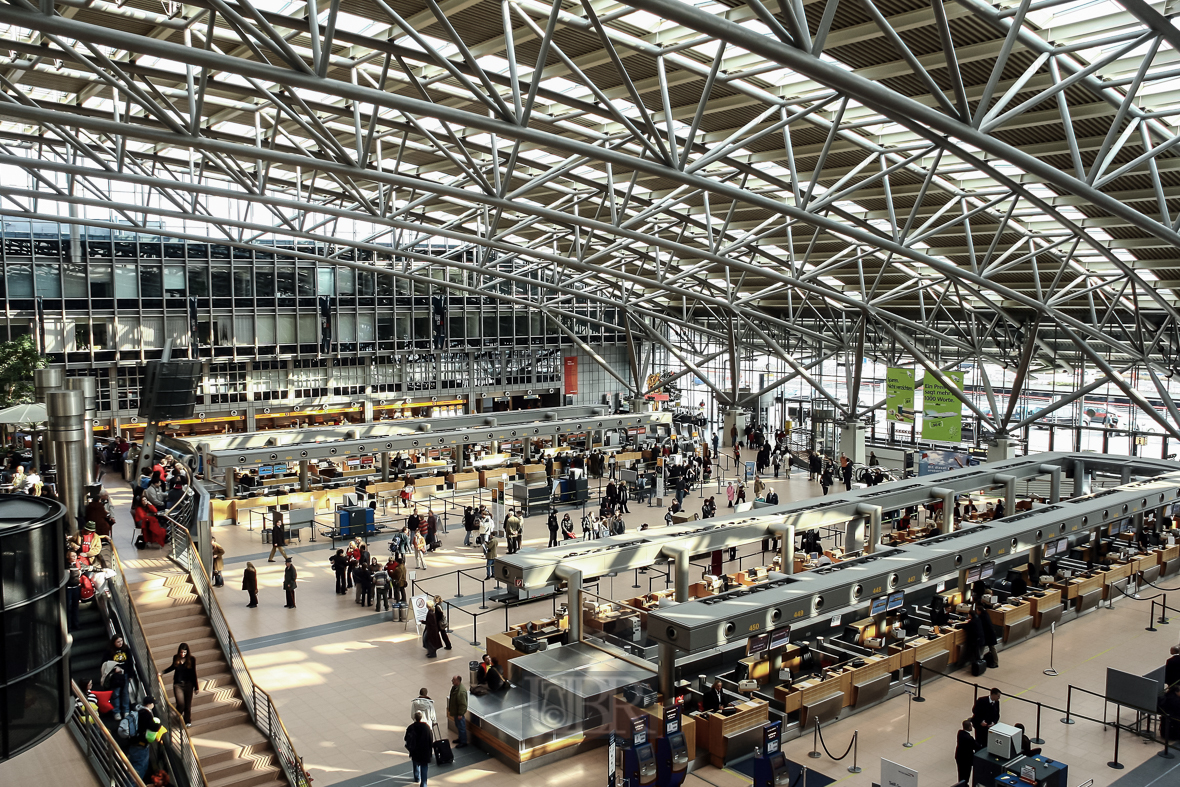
{"points": [[639, 764], [771, 770], [672, 759]]}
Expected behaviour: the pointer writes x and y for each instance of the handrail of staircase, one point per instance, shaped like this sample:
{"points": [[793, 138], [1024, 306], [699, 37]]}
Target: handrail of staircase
{"points": [[258, 702], [98, 745], [136, 639]]}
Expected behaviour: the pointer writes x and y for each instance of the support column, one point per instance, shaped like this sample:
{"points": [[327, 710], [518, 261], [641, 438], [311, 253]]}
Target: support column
{"points": [[852, 441], [89, 388], [51, 378], [854, 534], [1001, 448], [874, 515], [573, 587], [787, 548], [1054, 472], [1080, 484], [668, 673], [733, 418], [304, 476], [231, 483], [1009, 482], [386, 465], [65, 412], [949, 499]]}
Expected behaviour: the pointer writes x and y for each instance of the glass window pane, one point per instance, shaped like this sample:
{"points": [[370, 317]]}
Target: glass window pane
{"points": [[346, 281], [19, 280], [285, 282], [198, 281], [243, 283], [309, 329], [174, 281], [48, 280], [101, 282], [126, 281], [264, 283], [151, 281], [74, 283], [306, 282], [222, 286], [327, 281]]}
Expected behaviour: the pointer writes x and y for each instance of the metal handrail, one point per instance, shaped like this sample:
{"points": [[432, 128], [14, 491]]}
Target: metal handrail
{"points": [[258, 702], [136, 639], [98, 745]]}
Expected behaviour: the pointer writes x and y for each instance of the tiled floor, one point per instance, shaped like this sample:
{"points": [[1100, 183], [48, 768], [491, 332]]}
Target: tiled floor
{"points": [[344, 692], [56, 760]]}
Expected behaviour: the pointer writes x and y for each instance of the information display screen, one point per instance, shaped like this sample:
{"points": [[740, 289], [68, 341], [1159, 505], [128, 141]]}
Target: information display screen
{"points": [[265, 470], [973, 574], [986, 570], [780, 637], [896, 600], [757, 644], [279, 469], [1049, 550], [879, 605], [1063, 546]]}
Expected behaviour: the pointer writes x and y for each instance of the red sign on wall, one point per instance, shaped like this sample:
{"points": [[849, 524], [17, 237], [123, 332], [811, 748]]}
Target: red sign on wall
{"points": [[571, 374]]}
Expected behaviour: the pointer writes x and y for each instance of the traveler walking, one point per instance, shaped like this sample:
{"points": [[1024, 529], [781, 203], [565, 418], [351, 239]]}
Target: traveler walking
{"points": [[250, 584]]}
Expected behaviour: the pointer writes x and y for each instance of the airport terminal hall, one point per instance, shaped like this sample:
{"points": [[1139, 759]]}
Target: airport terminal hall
{"points": [[568, 393]]}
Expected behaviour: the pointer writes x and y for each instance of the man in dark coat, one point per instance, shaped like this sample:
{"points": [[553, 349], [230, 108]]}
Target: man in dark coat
{"points": [[984, 713], [1172, 667], [982, 635], [278, 537], [419, 743], [289, 583], [432, 639], [553, 526], [965, 751], [340, 565]]}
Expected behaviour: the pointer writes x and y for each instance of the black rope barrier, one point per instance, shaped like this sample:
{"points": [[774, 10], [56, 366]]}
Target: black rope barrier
{"points": [[819, 727]]}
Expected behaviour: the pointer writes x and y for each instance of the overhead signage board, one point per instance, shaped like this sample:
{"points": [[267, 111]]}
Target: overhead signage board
{"points": [[942, 416], [899, 395]]}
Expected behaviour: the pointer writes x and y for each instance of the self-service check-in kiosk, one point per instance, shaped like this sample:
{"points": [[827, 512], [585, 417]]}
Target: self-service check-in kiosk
{"points": [[672, 751], [770, 766], [639, 759]]}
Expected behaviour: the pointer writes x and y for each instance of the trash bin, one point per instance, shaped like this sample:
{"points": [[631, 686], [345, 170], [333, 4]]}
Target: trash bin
{"points": [[473, 666]]}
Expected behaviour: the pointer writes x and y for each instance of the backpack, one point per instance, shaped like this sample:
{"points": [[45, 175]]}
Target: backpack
{"points": [[129, 725], [87, 587]]}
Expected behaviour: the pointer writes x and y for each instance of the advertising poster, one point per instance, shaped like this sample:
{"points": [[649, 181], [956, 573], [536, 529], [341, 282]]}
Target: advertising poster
{"points": [[571, 374], [930, 462], [942, 415], [899, 395]]}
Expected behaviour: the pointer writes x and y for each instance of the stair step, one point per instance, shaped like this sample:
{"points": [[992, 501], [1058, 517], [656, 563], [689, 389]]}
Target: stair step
{"points": [[158, 596], [169, 643], [229, 742], [237, 765], [269, 777], [207, 710], [182, 626], [171, 580], [173, 612], [216, 681], [270, 774], [214, 723], [163, 605], [208, 656]]}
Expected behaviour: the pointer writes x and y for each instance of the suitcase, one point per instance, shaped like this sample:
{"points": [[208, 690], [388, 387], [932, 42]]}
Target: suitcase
{"points": [[442, 748], [978, 667]]}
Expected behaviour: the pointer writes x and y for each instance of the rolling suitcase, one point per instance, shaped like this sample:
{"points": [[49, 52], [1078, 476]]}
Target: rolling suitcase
{"points": [[442, 748], [978, 667]]}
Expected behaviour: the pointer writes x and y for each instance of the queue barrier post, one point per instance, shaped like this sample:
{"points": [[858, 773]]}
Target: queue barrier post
{"points": [[854, 768], [1068, 705], [1038, 740]]}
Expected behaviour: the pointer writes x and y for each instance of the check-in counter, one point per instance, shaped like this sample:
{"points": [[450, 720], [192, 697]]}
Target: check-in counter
{"points": [[1076, 587], [1014, 619], [870, 683], [731, 737], [1118, 572], [1048, 604], [499, 645]]}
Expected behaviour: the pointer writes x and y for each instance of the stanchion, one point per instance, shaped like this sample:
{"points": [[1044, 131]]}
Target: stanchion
{"points": [[854, 768], [483, 601], [814, 753], [1163, 621], [1068, 703], [909, 712], [1052, 673], [636, 585], [1167, 734], [918, 697], [1118, 766], [1151, 618], [1038, 740]]}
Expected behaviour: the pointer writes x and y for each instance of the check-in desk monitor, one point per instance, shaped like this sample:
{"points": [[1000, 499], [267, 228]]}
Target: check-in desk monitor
{"points": [[1004, 741], [896, 600], [880, 604], [771, 771], [780, 638], [679, 747]]}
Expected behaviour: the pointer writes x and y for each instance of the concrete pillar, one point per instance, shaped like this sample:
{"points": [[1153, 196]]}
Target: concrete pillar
{"points": [[949, 499], [231, 483], [682, 559], [787, 549], [733, 418], [1001, 448], [573, 586], [1054, 472], [1126, 474], [854, 534], [1009, 482], [668, 673], [386, 464], [304, 476], [852, 441], [89, 388], [1081, 485], [52, 378], [874, 515], [66, 411]]}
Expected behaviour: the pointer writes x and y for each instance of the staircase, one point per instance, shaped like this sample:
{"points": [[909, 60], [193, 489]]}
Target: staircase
{"points": [[232, 751]]}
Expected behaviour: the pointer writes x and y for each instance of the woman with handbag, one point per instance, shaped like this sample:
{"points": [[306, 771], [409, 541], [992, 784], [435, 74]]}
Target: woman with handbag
{"points": [[250, 584]]}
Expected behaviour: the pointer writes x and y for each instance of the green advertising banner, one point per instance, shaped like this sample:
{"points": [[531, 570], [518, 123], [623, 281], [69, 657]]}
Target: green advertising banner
{"points": [[899, 395], [942, 413]]}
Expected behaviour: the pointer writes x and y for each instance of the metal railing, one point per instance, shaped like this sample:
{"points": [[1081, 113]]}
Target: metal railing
{"points": [[151, 679], [256, 700], [103, 752]]}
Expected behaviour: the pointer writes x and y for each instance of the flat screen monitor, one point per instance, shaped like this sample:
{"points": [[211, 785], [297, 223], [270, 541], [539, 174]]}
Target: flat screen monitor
{"points": [[986, 570], [265, 470], [366, 460], [813, 555], [1049, 550], [973, 574], [280, 469], [780, 637], [353, 462], [757, 644], [778, 762], [676, 741], [1062, 547], [879, 605], [896, 600]]}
